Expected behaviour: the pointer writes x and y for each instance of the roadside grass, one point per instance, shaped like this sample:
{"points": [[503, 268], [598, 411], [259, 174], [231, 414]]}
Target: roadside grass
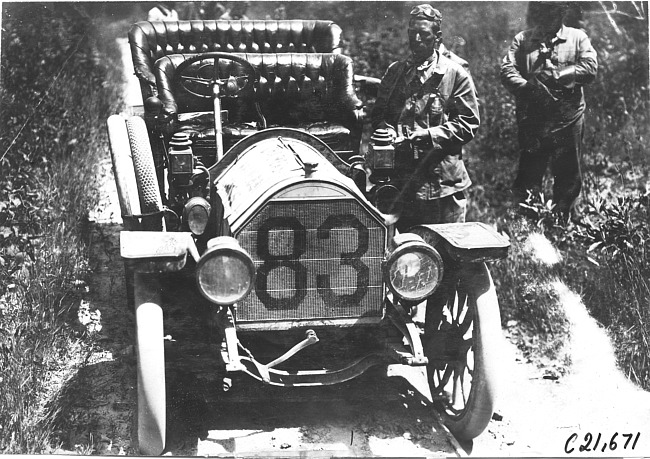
{"points": [[617, 240], [56, 94]]}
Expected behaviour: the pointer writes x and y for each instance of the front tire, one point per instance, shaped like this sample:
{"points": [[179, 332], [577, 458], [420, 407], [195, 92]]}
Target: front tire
{"points": [[462, 341], [138, 194], [152, 402]]}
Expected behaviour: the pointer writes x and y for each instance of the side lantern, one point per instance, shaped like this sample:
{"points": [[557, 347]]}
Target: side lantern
{"points": [[181, 159], [225, 272], [381, 154], [414, 269]]}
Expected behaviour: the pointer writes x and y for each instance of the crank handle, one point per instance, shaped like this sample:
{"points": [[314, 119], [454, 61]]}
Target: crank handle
{"points": [[308, 341]]}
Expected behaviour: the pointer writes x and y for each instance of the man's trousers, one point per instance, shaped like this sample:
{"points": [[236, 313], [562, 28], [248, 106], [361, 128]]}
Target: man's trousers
{"points": [[563, 149]]}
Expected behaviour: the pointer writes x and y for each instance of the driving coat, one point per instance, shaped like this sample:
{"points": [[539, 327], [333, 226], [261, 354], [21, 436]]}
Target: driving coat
{"points": [[405, 99]]}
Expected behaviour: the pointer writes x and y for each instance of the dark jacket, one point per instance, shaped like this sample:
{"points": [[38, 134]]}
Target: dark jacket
{"points": [[400, 102]]}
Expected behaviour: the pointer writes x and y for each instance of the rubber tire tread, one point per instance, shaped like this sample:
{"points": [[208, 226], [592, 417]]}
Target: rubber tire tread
{"points": [[123, 170], [127, 187], [145, 170]]}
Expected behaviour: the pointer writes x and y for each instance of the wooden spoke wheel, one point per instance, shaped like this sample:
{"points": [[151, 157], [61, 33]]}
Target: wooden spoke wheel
{"points": [[461, 340]]}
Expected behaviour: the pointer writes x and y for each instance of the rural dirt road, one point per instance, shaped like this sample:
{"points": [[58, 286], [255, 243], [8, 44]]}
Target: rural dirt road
{"points": [[535, 416]]}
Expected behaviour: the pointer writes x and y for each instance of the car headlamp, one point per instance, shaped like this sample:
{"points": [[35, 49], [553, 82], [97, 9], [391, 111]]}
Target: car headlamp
{"points": [[196, 215], [225, 272], [414, 269]]}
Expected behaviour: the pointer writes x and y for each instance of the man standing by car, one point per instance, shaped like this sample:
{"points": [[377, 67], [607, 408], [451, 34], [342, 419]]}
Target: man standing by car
{"points": [[545, 68], [430, 101]]}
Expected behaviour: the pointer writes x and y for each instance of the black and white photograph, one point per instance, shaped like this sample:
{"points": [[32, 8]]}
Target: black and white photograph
{"points": [[315, 229]]}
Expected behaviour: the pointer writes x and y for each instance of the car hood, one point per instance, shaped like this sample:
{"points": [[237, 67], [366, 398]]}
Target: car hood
{"points": [[284, 166]]}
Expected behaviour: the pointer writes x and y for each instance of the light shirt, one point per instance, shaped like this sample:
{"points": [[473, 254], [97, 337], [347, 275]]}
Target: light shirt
{"points": [[528, 62]]}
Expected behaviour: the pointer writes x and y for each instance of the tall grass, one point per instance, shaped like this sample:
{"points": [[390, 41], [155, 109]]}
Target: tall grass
{"points": [[55, 98], [617, 240]]}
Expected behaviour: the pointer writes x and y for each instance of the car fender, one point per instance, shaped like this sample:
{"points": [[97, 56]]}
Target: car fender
{"points": [[155, 251], [470, 242]]}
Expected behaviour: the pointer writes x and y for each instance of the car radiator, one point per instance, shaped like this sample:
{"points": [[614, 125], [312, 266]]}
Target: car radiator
{"points": [[314, 260]]}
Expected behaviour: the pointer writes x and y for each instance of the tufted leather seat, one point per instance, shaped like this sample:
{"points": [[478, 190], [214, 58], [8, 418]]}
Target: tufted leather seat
{"points": [[150, 41], [312, 92]]}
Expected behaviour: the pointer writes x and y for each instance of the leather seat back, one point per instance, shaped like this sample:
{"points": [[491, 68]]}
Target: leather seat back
{"points": [[150, 41], [292, 88]]}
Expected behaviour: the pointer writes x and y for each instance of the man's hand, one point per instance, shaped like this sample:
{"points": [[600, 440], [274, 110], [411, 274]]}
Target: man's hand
{"points": [[420, 137], [546, 76], [566, 77], [554, 78], [536, 90]]}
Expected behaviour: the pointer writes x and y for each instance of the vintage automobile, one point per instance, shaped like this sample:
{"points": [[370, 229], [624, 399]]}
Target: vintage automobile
{"points": [[242, 172]]}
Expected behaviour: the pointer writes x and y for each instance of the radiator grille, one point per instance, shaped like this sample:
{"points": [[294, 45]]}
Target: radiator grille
{"points": [[314, 260]]}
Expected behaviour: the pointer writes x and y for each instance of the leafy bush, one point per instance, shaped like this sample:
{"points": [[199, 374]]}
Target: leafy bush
{"points": [[606, 259], [618, 238]]}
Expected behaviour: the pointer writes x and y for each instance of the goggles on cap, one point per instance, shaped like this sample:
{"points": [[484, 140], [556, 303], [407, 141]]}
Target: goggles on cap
{"points": [[426, 11]]}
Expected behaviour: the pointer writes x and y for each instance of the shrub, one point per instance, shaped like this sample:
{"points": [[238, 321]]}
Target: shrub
{"points": [[617, 236]]}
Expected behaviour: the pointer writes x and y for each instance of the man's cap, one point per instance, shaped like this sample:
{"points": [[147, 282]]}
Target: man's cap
{"points": [[426, 11]]}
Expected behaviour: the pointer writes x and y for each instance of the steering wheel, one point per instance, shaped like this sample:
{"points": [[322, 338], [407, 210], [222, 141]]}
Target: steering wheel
{"points": [[206, 75]]}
